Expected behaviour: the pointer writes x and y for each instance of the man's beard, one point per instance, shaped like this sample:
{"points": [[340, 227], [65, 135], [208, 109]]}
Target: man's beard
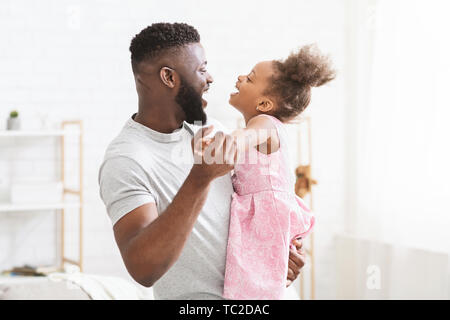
{"points": [[191, 103]]}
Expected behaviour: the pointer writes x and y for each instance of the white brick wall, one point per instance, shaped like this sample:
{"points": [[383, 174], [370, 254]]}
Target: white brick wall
{"points": [[70, 59]]}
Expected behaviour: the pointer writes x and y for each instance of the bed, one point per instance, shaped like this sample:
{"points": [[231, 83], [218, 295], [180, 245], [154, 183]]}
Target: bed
{"points": [[62, 286]]}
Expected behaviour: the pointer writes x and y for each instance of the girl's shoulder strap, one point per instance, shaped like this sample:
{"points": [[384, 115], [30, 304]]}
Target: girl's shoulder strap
{"points": [[279, 127], [273, 119]]}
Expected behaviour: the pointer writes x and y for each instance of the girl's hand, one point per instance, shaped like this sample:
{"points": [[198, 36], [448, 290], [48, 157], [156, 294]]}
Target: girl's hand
{"points": [[202, 144], [199, 140]]}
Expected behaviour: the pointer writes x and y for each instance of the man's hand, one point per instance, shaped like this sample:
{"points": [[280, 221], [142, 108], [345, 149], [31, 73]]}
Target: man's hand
{"points": [[217, 159], [297, 260]]}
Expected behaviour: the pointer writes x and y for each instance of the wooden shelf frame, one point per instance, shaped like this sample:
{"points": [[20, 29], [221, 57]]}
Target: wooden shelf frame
{"points": [[78, 193], [308, 249]]}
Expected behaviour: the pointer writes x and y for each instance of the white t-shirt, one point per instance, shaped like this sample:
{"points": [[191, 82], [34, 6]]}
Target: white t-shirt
{"points": [[142, 166]]}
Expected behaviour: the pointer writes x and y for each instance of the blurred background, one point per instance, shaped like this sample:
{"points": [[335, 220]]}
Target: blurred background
{"points": [[379, 132]]}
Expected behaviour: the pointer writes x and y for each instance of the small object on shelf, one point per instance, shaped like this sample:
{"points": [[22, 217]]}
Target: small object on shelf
{"points": [[13, 122]]}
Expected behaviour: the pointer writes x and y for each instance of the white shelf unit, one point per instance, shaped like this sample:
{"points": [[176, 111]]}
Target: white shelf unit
{"points": [[13, 207], [50, 133], [59, 207]]}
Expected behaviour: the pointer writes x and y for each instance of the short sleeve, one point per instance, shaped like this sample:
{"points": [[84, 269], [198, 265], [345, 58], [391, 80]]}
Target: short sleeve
{"points": [[302, 220], [124, 186]]}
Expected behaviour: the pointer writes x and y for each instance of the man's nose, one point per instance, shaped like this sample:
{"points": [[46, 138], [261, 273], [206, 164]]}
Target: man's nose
{"points": [[209, 79], [240, 78]]}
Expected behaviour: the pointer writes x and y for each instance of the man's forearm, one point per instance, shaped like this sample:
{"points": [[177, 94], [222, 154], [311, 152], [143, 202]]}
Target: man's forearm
{"points": [[156, 247]]}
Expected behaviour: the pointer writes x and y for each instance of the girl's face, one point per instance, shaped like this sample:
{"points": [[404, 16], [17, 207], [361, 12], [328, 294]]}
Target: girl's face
{"points": [[250, 90]]}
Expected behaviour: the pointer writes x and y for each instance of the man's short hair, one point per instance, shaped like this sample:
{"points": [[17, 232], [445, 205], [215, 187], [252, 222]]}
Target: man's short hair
{"points": [[158, 38]]}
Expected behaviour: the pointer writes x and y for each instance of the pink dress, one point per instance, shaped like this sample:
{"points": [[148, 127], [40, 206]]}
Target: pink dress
{"points": [[266, 216]]}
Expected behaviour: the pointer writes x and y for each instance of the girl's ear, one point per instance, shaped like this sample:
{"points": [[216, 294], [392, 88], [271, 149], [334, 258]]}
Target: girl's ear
{"points": [[168, 76], [265, 105]]}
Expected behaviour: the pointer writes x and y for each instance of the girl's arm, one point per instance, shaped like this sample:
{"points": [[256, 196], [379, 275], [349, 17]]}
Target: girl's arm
{"points": [[259, 130]]}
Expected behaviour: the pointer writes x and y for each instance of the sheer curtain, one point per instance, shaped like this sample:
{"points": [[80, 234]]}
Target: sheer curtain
{"points": [[401, 192]]}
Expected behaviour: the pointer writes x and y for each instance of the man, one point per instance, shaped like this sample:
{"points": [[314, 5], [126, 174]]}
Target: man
{"points": [[170, 214]]}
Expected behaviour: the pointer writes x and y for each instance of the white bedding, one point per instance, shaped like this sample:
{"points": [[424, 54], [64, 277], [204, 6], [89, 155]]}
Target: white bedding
{"points": [[71, 286]]}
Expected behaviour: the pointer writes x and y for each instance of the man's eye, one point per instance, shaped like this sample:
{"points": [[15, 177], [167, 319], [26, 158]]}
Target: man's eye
{"points": [[248, 79], [203, 70]]}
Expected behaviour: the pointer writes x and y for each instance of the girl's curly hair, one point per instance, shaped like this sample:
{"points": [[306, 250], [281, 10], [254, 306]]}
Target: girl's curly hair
{"points": [[294, 77]]}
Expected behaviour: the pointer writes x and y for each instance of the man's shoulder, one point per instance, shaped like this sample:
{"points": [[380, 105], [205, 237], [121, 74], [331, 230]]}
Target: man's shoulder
{"points": [[128, 145], [124, 160], [121, 155], [122, 145]]}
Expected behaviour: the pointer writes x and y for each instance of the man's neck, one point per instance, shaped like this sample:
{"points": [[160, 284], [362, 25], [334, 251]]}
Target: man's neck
{"points": [[164, 122]]}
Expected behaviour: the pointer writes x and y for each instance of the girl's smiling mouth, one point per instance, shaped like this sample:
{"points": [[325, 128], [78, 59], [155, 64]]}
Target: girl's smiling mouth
{"points": [[235, 93]]}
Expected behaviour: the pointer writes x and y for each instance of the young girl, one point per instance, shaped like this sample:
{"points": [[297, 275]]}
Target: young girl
{"points": [[266, 215]]}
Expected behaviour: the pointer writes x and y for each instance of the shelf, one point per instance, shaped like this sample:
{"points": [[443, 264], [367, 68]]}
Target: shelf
{"points": [[11, 207], [64, 203], [37, 133]]}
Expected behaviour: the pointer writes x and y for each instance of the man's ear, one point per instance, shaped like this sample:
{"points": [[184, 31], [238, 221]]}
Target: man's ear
{"points": [[168, 76], [265, 104]]}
